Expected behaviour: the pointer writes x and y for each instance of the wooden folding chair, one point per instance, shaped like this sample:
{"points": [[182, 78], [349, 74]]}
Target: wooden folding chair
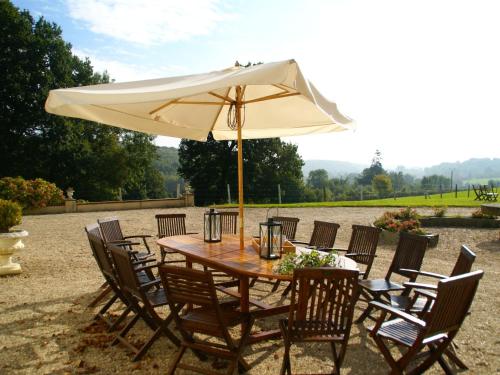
{"points": [[208, 317], [112, 233], [321, 310], [478, 193], [170, 225], [143, 300], [363, 246], [435, 331], [323, 236], [407, 259]]}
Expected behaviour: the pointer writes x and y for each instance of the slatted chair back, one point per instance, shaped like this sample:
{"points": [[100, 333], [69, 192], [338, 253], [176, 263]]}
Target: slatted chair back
{"points": [[323, 303], [452, 304], [324, 234], [363, 243], [409, 254], [171, 225], [99, 251], [229, 221], [464, 261], [477, 192], [127, 276], [110, 228], [289, 226]]}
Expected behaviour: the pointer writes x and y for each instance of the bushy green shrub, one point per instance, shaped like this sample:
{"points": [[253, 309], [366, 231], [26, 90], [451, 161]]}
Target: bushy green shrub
{"points": [[10, 215], [404, 220], [36, 193]]}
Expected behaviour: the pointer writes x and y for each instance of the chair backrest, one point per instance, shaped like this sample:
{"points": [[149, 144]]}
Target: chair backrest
{"points": [[452, 304], [363, 243], [324, 234], [99, 251], [127, 276], [110, 229], [188, 285], [229, 221], [464, 262], [409, 254], [171, 225], [324, 302], [289, 226]]}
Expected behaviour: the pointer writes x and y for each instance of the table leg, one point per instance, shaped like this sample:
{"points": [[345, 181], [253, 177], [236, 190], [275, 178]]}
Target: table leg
{"points": [[244, 297], [189, 306]]}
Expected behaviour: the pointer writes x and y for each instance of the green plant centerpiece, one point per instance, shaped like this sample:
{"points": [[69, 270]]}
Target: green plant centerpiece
{"points": [[314, 258], [405, 220], [10, 240]]}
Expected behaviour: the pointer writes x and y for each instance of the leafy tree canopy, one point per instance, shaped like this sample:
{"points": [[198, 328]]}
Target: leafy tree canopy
{"points": [[210, 166], [97, 161], [374, 169]]}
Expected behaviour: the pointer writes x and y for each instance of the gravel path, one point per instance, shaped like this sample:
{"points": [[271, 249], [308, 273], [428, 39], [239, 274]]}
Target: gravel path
{"points": [[45, 327]]}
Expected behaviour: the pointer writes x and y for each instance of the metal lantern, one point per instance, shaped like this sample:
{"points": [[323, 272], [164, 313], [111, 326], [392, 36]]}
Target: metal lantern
{"points": [[270, 239], [213, 226]]}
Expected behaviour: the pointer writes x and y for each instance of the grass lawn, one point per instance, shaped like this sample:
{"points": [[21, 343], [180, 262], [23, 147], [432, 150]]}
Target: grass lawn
{"points": [[448, 199]]}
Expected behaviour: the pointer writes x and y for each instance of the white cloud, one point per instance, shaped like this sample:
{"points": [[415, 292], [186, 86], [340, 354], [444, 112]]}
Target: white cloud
{"points": [[148, 22], [124, 72]]}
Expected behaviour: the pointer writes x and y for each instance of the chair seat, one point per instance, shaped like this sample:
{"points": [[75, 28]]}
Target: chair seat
{"points": [[380, 285], [398, 330], [403, 302], [206, 318], [157, 297], [312, 331]]}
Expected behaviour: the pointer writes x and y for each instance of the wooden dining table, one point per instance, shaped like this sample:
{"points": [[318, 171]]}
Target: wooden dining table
{"points": [[227, 257]]}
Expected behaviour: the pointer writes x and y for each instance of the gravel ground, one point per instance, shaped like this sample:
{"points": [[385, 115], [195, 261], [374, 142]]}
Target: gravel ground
{"points": [[45, 326]]}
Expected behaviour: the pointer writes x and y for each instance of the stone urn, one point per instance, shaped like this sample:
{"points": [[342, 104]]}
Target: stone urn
{"points": [[11, 242]]}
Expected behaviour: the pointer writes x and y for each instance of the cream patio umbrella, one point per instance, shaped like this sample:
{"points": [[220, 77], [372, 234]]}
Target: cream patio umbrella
{"points": [[261, 101]]}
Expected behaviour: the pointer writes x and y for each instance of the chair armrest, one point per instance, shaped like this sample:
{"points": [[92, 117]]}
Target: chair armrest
{"points": [[411, 285], [149, 284], [143, 268], [142, 261], [123, 243], [359, 254], [432, 274], [299, 242], [425, 293], [192, 233], [400, 314], [139, 236], [340, 249]]}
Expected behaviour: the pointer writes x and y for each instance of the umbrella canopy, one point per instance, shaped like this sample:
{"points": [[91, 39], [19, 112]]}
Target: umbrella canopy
{"points": [[261, 101]]}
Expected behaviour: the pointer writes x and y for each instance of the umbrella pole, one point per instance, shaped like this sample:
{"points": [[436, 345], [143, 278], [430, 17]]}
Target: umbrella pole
{"points": [[240, 166]]}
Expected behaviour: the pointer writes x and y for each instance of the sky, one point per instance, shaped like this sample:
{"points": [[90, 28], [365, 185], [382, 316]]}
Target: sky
{"points": [[420, 78]]}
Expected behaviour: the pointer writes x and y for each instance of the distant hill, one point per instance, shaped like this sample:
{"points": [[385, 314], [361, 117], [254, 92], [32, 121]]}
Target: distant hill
{"points": [[334, 168]]}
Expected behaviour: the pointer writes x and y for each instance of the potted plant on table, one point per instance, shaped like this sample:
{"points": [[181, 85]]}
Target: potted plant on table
{"points": [[404, 220], [10, 240]]}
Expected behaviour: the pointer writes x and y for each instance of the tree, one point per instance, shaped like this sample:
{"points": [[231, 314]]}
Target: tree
{"points": [[318, 178], [374, 169], [209, 166], [96, 160], [382, 184]]}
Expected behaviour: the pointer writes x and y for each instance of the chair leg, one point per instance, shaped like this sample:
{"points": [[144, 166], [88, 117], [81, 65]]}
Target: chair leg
{"points": [[454, 358], [252, 283], [120, 319], [102, 311], [101, 295], [286, 367], [176, 359], [287, 290], [276, 286]]}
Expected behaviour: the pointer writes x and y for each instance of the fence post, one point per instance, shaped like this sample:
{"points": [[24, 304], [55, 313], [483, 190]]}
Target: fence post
{"points": [[468, 190], [279, 193], [441, 190], [228, 194], [178, 190], [361, 193], [456, 190]]}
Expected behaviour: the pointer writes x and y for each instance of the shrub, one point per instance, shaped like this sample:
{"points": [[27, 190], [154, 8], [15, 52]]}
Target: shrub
{"points": [[440, 211], [36, 193], [404, 220], [10, 215], [478, 214]]}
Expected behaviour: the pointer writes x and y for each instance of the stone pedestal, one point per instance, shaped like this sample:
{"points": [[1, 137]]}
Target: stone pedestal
{"points": [[9, 244]]}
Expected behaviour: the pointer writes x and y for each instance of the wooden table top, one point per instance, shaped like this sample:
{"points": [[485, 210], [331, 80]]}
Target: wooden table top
{"points": [[224, 256]]}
